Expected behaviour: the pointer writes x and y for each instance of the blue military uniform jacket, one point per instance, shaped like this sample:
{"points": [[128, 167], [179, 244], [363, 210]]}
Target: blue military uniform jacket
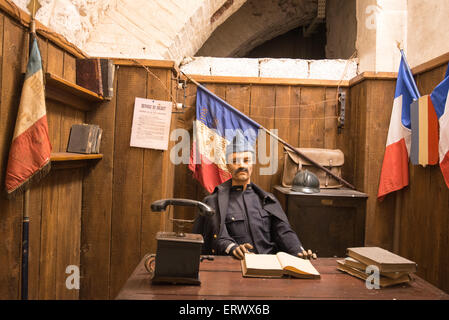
{"points": [[211, 227]]}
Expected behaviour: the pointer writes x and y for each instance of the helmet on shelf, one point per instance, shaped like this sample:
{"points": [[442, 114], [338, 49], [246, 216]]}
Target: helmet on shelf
{"points": [[306, 182]]}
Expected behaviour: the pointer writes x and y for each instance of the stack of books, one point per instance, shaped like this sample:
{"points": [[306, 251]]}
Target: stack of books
{"points": [[84, 138], [393, 269]]}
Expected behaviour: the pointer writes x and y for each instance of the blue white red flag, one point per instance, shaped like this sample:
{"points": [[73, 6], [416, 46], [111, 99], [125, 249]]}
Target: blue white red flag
{"points": [[440, 102], [29, 156], [214, 128], [394, 175]]}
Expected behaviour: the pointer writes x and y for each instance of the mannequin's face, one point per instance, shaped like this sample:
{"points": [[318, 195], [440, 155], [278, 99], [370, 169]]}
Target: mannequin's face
{"points": [[240, 165]]}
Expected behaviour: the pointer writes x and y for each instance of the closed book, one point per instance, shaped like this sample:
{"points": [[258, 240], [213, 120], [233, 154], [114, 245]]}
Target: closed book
{"points": [[385, 260], [107, 75], [100, 133], [81, 138], [88, 75], [94, 138], [362, 267], [383, 281], [277, 265]]}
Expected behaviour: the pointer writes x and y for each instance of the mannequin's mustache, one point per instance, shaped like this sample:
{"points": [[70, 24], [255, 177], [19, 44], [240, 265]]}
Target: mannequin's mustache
{"points": [[241, 170]]}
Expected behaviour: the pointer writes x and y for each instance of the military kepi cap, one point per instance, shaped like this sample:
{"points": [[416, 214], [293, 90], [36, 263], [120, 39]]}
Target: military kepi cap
{"points": [[239, 144]]}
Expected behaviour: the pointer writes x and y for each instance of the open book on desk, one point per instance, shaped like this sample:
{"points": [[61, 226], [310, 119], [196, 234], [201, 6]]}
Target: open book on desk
{"points": [[277, 265]]}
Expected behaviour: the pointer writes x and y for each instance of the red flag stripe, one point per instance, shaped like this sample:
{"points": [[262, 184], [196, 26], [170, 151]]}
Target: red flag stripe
{"points": [[394, 174], [29, 152]]}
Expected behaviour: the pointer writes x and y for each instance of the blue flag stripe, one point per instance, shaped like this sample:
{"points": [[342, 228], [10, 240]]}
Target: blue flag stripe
{"points": [[406, 87], [439, 95], [35, 61], [217, 114]]}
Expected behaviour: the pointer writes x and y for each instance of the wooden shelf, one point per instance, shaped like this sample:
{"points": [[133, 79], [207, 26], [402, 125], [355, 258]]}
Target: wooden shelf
{"points": [[63, 160], [69, 93]]}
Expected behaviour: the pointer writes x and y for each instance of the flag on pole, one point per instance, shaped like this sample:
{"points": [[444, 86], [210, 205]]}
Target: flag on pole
{"points": [[29, 155], [394, 174], [215, 126], [440, 102]]}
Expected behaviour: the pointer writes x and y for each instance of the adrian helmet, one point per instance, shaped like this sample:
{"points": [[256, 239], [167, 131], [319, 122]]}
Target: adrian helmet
{"points": [[306, 182]]}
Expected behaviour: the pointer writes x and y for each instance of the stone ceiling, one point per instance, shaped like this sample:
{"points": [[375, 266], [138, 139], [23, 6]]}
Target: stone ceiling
{"points": [[171, 29]]}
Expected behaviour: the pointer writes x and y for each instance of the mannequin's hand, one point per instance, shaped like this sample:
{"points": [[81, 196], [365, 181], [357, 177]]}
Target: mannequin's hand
{"points": [[307, 254], [239, 252]]}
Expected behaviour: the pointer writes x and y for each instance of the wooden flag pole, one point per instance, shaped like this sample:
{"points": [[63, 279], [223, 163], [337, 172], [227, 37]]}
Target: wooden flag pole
{"points": [[33, 6], [303, 156]]}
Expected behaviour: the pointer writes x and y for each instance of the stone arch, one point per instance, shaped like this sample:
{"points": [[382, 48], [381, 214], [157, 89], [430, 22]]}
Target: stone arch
{"points": [[256, 22]]}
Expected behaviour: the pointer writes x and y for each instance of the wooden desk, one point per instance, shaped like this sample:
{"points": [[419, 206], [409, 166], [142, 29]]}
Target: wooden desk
{"points": [[222, 279]]}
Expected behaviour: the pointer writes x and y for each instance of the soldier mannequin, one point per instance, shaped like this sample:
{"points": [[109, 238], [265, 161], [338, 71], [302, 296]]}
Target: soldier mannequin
{"points": [[247, 218]]}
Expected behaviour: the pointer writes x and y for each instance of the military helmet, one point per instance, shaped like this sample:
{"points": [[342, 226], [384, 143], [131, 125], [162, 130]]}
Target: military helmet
{"points": [[306, 182]]}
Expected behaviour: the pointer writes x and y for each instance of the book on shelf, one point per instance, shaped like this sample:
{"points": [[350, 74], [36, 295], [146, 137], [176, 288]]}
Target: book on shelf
{"points": [[361, 274], [277, 265], [107, 76], [385, 260], [84, 138], [97, 75], [88, 75]]}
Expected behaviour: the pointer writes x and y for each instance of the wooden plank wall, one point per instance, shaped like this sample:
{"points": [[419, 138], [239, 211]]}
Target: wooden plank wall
{"points": [[118, 225], [423, 208], [55, 203], [304, 116]]}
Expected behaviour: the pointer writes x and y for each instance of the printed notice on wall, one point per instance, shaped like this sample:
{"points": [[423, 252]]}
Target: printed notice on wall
{"points": [[151, 124]]}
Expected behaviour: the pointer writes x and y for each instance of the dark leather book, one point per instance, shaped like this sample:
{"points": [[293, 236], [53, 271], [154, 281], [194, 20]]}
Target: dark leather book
{"points": [[88, 75], [107, 75], [82, 138]]}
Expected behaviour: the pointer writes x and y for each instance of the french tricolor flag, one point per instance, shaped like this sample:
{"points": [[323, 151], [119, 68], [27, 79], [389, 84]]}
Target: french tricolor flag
{"points": [[394, 174], [215, 126], [29, 155], [440, 102]]}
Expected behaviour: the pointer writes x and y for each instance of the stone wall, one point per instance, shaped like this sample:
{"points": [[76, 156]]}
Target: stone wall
{"points": [[271, 68]]}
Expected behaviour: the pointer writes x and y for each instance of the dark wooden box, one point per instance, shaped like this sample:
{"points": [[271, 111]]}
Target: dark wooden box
{"points": [[327, 222]]}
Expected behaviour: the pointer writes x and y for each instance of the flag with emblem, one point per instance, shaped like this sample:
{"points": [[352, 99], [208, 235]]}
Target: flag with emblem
{"points": [[29, 155], [440, 101], [216, 124]]}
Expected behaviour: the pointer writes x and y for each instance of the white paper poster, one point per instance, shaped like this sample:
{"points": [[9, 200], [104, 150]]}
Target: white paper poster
{"points": [[151, 124]]}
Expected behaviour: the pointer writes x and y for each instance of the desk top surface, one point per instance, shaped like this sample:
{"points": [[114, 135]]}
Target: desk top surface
{"points": [[222, 279]]}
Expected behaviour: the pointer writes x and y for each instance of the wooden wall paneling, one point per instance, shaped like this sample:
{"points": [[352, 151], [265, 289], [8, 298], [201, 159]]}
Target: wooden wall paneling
{"points": [[35, 212], [43, 48], [286, 121], [154, 170], [330, 118], [97, 207], [49, 236], [68, 231], [380, 220], [55, 60], [424, 214], [360, 137], [186, 186], [69, 72], [70, 194], [346, 139], [312, 122], [239, 96], [263, 103], [128, 181], [13, 38]]}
